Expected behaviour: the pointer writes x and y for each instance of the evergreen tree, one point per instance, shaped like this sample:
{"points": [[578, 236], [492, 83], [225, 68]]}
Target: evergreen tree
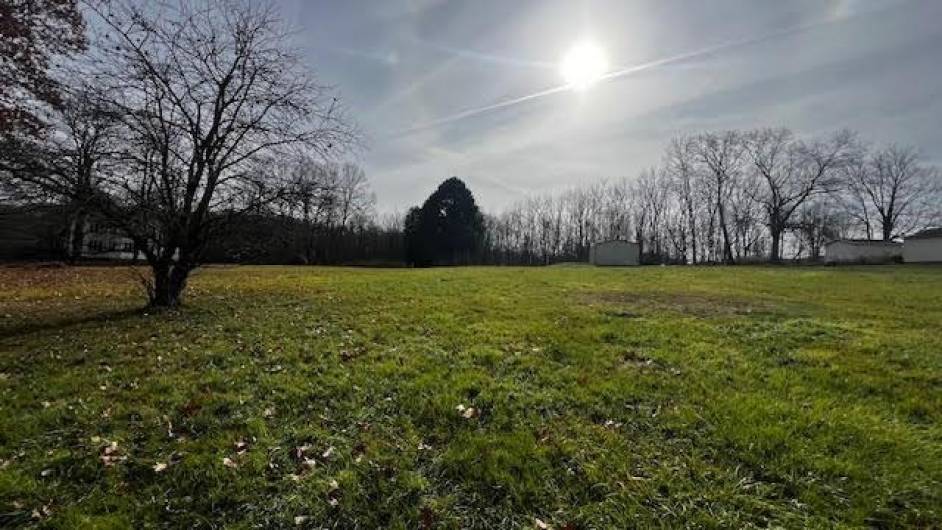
{"points": [[447, 229]]}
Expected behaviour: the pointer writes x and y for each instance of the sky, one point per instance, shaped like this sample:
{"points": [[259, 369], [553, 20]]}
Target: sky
{"points": [[473, 88]]}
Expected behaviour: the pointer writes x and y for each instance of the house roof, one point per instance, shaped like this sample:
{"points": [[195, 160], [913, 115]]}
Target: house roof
{"points": [[864, 242], [929, 233]]}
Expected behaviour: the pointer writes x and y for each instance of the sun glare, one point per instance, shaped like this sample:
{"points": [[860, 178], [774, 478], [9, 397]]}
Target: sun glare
{"points": [[583, 65]]}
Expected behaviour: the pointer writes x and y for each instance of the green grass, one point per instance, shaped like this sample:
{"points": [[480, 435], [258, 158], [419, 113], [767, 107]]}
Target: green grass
{"points": [[602, 398]]}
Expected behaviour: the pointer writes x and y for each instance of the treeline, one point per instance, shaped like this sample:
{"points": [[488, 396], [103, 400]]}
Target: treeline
{"points": [[323, 215], [720, 197], [717, 197], [728, 197]]}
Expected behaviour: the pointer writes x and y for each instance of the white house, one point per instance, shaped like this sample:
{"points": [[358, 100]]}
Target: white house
{"points": [[923, 247], [103, 242], [862, 251], [614, 253]]}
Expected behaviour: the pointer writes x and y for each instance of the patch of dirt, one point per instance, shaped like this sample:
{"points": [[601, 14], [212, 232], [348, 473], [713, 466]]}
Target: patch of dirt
{"points": [[634, 360]]}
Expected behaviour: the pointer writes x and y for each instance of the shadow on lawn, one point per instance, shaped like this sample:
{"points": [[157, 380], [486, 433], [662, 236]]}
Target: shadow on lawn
{"points": [[60, 324]]}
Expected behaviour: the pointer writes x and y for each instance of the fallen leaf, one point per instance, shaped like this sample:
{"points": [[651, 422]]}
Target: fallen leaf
{"points": [[111, 454], [301, 451], [159, 466]]}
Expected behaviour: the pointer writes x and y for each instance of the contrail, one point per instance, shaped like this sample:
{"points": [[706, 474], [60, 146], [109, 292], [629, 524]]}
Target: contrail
{"points": [[617, 74], [484, 57], [481, 110]]}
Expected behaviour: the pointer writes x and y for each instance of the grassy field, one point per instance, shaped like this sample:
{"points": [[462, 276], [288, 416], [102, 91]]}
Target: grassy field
{"points": [[570, 397]]}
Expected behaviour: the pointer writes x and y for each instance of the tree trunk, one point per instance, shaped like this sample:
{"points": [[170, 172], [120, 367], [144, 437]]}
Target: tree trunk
{"points": [[693, 233], [776, 254], [77, 240], [887, 230], [727, 247], [168, 286]]}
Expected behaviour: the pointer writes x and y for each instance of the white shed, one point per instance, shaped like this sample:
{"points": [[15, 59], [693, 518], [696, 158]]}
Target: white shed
{"points": [[923, 247], [862, 251], [614, 253]]}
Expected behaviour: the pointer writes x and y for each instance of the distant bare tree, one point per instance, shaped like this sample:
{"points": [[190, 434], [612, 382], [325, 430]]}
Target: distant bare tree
{"points": [[820, 220], [650, 193], [205, 92], [354, 198], [66, 167], [893, 190], [722, 155], [792, 172], [85, 137], [680, 164]]}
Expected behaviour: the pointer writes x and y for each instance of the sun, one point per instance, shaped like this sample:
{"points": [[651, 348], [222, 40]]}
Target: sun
{"points": [[583, 65]]}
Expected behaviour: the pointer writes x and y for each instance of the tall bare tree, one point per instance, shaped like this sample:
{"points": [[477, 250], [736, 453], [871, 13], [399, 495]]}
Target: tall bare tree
{"points": [[680, 164], [722, 155], [792, 172], [204, 92], [895, 191]]}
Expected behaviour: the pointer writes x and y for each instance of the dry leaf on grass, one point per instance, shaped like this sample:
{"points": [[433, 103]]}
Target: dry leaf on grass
{"points": [[111, 454]]}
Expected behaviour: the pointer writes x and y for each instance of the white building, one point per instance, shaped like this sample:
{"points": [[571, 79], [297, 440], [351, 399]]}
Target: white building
{"points": [[614, 253], [862, 251], [923, 247], [103, 242]]}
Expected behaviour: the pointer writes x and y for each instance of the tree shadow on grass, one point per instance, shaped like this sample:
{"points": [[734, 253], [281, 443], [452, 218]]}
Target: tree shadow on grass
{"points": [[63, 323]]}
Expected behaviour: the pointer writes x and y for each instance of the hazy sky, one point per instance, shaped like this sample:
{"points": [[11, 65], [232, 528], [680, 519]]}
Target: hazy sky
{"points": [[410, 69]]}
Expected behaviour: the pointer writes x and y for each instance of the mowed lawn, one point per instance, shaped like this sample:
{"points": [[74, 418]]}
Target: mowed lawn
{"points": [[570, 397]]}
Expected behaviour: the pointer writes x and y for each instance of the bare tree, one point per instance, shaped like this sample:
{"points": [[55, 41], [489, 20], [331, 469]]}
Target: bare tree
{"points": [[820, 220], [355, 199], [722, 155], [893, 191], [791, 173], [650, 206], [205, 93], [680, 164], [82, 145]]}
